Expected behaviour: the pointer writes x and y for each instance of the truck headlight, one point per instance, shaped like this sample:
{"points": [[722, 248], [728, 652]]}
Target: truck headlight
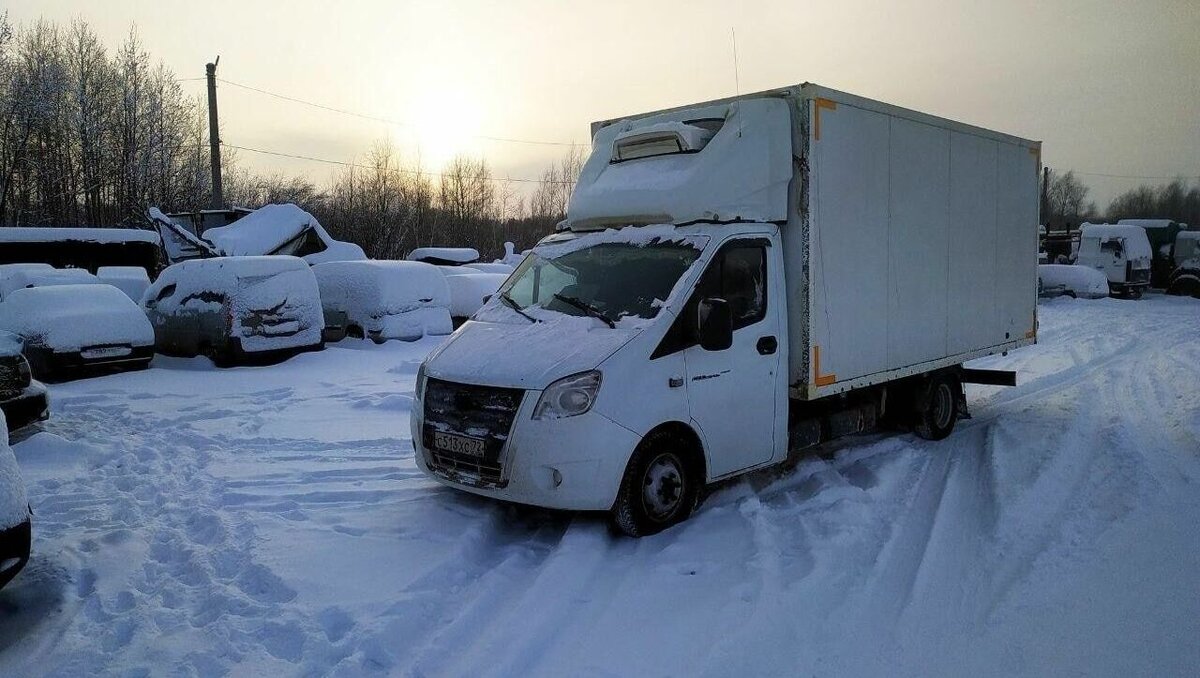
{"points": [[569, 396]]}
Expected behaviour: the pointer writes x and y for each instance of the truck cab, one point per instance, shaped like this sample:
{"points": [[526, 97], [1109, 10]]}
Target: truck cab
{"points": [[669, 334]]}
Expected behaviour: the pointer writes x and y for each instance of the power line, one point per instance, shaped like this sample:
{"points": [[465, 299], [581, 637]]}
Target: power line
{"points": [[1132, 176], [401, 170], [389, 121]]}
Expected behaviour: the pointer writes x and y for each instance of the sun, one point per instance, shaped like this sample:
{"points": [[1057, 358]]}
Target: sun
{"points": [[445, 123]]}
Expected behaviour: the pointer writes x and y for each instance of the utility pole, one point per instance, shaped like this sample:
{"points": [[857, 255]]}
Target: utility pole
{"points": [[1045, 204], [214, 136]]}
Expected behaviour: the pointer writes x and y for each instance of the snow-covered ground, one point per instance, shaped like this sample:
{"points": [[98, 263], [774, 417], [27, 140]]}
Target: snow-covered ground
{"points": [[271, 521]]}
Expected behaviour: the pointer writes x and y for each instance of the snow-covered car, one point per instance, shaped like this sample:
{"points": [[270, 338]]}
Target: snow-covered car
{"points": [[132, 280], [9, 273], [469, 291], [75, 329], [15, 530], [1185, 274], [493, 267], [383, 300], [235, 309], [23, 400], [35, 276], [1073, 281], [1121, 251], [444, 256]]}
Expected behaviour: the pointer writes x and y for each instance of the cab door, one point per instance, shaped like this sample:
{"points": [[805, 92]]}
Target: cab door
{"points": [[732, 392]]}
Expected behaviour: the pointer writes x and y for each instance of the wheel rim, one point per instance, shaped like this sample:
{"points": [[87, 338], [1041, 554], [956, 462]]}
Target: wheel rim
{"points": [[662, 486], [943, 405]]}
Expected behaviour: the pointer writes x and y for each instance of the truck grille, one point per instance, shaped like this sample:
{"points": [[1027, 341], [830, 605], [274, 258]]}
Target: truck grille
{"points": [[480, 412]]}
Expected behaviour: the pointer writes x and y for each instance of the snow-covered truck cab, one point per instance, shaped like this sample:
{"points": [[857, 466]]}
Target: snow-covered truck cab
{"points": [[724, 292], [1122, 252]]}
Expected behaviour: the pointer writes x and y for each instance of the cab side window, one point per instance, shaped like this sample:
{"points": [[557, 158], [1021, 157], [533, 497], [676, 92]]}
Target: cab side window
{"points": [[737, 274], [744, 284]]}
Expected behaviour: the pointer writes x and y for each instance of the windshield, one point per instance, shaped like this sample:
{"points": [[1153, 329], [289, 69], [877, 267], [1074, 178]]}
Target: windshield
{"points": [[608, 280]]}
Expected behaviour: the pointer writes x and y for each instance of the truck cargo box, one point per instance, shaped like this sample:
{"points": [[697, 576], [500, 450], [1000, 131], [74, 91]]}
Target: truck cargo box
{"points": [[910, 241]]}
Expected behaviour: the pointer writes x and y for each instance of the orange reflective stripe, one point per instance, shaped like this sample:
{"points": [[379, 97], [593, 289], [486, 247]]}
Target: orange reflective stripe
{"points": [[818, 104]]}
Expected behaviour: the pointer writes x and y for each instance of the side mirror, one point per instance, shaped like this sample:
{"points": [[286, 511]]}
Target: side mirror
{"points": [[714, 324]]}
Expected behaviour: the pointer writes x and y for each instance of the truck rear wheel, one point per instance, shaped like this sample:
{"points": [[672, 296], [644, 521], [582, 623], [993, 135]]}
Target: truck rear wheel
{"points": [[937, 406], [660, 487]]}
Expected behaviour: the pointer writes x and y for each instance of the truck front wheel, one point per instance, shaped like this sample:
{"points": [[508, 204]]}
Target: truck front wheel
{"points": [[660, 487], [937, 406]]}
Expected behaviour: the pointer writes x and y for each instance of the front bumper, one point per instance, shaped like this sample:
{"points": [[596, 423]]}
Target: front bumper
{"points": [[49, 364], [14, 550], [575, 463], [31, 405]]}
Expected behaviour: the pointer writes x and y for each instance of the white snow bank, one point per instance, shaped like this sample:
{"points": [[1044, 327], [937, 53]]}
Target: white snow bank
{"points": [[394, 299], [468, 291], [97, 235], [38, 277], [443, 255], [1082, 281], [132, 280], [281, 229], [14, 505], [280, 288], [68, 318], [490, 268]]}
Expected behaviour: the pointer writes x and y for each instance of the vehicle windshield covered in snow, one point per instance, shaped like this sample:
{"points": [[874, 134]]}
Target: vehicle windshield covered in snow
{"points": [[608, 280]]}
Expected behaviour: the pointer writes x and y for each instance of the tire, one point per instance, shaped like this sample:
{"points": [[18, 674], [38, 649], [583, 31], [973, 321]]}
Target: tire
{"points": [[937, 406], [661, 486]]}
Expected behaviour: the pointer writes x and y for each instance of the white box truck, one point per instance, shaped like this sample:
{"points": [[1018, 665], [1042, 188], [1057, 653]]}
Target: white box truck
{"points": [[737, 281]]}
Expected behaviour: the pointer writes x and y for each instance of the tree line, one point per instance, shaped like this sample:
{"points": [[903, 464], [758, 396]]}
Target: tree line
{"points": [[1065, 203], [93, 137]]}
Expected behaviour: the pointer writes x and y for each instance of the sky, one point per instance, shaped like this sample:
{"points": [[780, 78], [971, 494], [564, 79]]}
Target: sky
{"points": [[1111, 88]]}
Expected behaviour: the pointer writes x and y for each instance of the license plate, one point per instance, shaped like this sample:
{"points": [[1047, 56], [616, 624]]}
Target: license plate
{"points": [[106, 352], [449, 442]]}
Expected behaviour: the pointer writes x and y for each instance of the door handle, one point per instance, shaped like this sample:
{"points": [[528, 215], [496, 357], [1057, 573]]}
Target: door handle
{"points": [[767, 345]]}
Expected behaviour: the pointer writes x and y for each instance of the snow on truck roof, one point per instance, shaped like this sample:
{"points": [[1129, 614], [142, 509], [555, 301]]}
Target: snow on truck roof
{"points": [[15, 234]]}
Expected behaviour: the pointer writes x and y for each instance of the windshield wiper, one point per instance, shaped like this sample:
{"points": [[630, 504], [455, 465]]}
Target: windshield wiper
{"points": [[586, 308], [516, 307]]}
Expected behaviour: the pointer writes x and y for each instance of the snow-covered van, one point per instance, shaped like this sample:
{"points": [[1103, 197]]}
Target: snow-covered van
{"points": [[15, 531], [1121, 251], [383, 300], [72, 330], [235, 309], [737, 281]]}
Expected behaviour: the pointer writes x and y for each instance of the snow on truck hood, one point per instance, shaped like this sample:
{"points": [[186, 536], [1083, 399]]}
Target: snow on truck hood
{"points": [[523, 354]]}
